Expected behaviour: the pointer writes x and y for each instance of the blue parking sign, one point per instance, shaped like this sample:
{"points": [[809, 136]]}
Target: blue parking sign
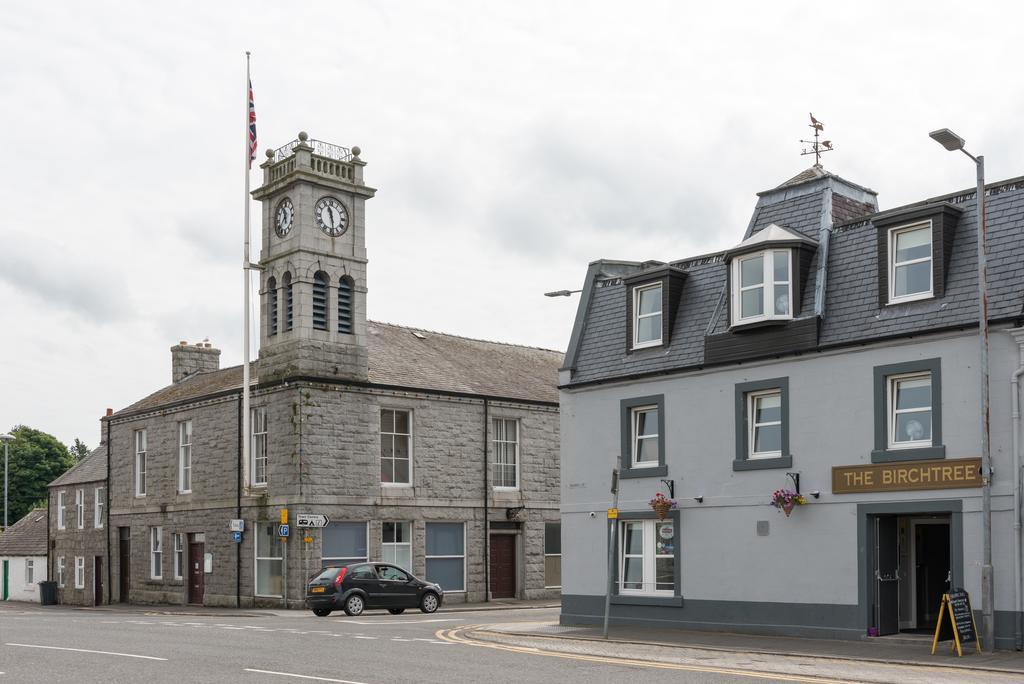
{"points": [[282, 531], [236, 536]]}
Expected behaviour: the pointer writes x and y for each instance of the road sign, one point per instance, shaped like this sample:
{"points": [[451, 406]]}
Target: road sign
{"points": [[237, 537], [613, 513], [308, 540], [237, 526], [284, 516], [311, 520], [282, 530]]}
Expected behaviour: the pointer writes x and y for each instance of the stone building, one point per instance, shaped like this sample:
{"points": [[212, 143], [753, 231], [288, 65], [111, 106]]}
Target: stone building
{"points": [[433, 451], [78, 531], [833, 352], [23, 557]]}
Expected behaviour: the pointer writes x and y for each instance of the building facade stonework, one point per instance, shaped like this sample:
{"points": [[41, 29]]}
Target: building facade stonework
{"points": [[436, 452]]}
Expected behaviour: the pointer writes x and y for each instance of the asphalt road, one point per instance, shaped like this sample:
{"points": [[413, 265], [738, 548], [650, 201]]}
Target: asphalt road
{"points": [[59, 644]]}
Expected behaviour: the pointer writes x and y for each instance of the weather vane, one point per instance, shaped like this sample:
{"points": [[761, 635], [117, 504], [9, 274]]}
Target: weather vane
{"points": [[817, 148]]}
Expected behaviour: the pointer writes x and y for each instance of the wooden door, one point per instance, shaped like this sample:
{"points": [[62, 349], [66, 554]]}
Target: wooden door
{"points": [[196, 576], [887, 580], [503, 566], [124, 566], [97, 581]]}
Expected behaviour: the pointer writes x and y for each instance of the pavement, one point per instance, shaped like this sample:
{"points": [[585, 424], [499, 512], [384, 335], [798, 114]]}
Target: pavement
{"points": [[902, 650]]}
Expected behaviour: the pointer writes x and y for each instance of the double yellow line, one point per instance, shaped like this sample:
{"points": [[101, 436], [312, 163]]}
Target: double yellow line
{"points": [[457, 636]]}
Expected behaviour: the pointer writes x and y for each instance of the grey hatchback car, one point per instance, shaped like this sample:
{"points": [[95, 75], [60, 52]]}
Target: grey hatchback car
{"points": [[358, 586]]}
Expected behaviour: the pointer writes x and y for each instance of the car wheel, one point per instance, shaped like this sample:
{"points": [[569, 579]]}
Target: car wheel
{"points": [[354, 605], [321, 612], [429, 602], [396, 611]]}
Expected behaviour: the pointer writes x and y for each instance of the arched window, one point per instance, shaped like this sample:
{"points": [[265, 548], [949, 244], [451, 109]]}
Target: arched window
{"points": [[272, 305], [320, 301], [286, 283], [345, 305]]}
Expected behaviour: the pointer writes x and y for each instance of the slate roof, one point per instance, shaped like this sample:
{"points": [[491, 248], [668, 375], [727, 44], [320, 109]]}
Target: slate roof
{"points": [[27, 537], [410, 358], [92, 468], [852, 313]]}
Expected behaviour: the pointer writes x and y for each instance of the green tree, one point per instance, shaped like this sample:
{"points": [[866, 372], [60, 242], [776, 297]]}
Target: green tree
{"points": [[79, 450], [35, 460]]}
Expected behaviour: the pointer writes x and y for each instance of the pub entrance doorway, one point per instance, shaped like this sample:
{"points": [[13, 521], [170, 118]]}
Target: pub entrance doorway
{"points": [[913, 566]]}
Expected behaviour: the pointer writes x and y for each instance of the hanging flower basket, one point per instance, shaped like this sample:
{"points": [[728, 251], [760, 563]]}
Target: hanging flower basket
{"points": [[662, 505], [786, 500]]}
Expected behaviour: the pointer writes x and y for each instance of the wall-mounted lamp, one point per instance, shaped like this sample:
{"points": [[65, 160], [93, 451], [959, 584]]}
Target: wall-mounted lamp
{"points": [[816, 494], [699, 499]]}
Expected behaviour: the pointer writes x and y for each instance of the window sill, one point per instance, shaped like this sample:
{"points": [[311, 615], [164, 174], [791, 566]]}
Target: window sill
{"points": [[646, 345], [910, 298], [763, 463], [755, 324], [919, 454], [669, 601], [656, 471]]}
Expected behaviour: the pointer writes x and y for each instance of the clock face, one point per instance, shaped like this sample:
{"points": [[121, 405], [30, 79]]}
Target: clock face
{"points": [[284, 217], [331, 216]]}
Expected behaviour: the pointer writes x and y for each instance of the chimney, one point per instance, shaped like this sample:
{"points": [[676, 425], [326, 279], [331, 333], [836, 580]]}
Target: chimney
{"points": [[189, 359], [103, 426]]}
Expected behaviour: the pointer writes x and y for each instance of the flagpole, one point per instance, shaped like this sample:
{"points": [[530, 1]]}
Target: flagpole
{"points": [[245, 273]]}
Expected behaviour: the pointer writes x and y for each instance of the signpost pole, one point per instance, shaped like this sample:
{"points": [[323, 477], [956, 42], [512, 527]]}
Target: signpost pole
{"points": [[613, 523]]}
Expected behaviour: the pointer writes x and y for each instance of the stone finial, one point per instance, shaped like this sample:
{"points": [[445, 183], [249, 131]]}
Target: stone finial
{"points": [[303, 136], [356, 152], [269, 152]]}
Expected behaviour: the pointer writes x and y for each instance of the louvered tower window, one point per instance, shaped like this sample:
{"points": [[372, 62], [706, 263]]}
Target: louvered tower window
{"points": [[320, 301], [345, 305], [272, 305], [286, 282]]}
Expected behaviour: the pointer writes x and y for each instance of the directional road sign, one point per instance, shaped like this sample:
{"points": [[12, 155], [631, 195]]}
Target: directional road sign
{"points": [[311, 520]]}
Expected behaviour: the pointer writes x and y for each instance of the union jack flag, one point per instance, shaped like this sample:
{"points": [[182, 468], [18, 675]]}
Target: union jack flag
{"points": [[252, 126]]}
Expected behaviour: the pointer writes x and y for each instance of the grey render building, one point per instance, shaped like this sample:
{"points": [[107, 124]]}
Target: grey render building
{"points": [[435, 452], [835, 346], [78, 531]]}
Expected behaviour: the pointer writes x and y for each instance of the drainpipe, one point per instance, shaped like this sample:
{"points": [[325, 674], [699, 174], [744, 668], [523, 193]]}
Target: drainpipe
{"points": [[487, 535], [1018, 594]]}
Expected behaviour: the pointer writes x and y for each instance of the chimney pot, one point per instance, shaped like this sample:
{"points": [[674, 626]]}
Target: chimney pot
{"points": [[110, 411]]}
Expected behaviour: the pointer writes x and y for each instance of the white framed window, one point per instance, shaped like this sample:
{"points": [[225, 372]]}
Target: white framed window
{"points": [[762, 286], [647, 316], [100, 500], [60, 571], [185, 457], [764, 418], [395, 447], [179, 555], [61, 504], [647, 562], [258, 447], [79, 572], [156, 552], [645, 442], [269, 561], [910, 411], [446, 555], [140, 463], [345, 542], [30, 571], [552, 555], [80, 508], [910, 263], [396, 544], [505, 444]]}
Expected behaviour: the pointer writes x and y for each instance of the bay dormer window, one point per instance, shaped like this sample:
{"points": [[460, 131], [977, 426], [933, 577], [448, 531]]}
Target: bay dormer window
{"points": [[762, 286], [647, 313]]}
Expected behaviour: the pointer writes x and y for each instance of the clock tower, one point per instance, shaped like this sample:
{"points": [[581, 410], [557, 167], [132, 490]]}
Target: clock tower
{"points": [[313, 260]]}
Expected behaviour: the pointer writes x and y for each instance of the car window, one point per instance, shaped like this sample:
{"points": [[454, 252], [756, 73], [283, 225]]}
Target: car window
{"points": [[362, 572], [326, 574], [388, 572]]}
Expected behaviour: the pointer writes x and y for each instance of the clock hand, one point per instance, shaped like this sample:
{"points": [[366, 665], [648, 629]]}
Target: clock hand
{"points": [[330, 212]]}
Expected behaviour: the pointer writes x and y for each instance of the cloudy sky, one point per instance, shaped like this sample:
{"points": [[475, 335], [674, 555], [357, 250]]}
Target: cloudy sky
{"points": [[511, 144]]}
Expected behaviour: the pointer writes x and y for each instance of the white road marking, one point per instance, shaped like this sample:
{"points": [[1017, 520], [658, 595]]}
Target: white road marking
{"points": [[395, 622], [299, 676], [86, 650], [363, 637]]}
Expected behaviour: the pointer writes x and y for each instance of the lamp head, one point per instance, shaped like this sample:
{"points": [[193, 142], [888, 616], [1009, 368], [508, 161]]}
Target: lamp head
{"points": [[948, 139], [558, 293], [6, 438]]}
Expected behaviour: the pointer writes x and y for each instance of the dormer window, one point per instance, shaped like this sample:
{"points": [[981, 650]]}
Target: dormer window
{"points": [[647, 325], [762, 286], [910, 262]]}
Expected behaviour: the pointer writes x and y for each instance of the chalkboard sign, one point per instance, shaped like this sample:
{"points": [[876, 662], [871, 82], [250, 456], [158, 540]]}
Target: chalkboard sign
{"points": [[960, 626]]}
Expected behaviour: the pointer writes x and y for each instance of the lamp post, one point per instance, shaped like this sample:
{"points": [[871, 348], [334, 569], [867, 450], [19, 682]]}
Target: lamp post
{"points": [[953, 142], [5, 439]]}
